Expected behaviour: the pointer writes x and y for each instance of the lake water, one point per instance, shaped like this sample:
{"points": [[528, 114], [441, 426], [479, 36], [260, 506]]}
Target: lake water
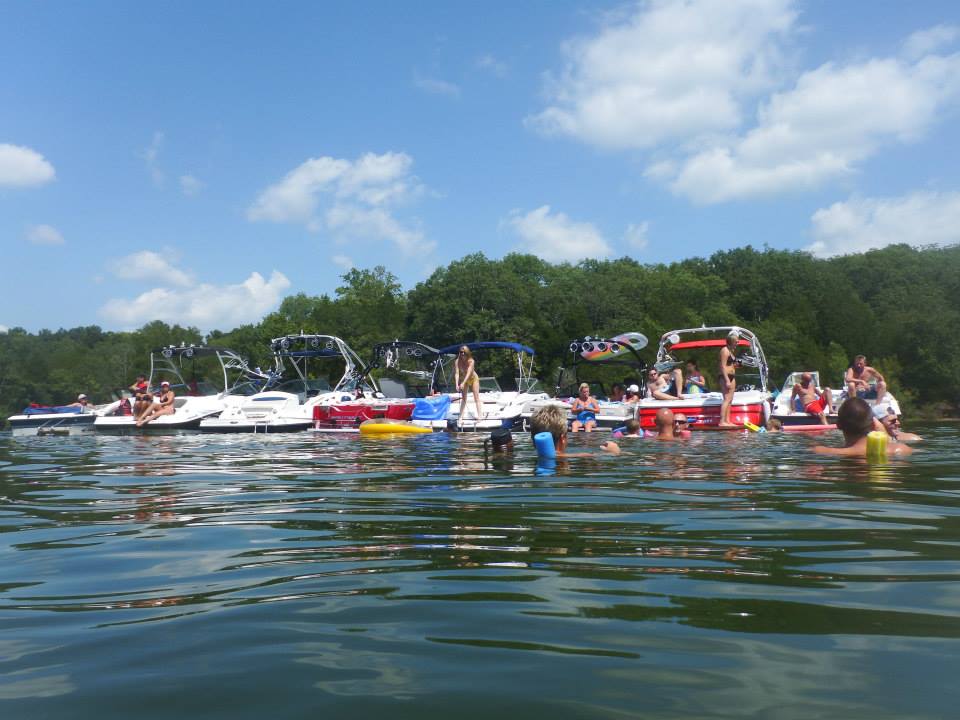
{"points": [[729, 576]]}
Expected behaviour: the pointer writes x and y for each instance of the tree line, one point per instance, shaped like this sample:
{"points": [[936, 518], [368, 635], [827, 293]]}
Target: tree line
{"points": [[899, 306]]}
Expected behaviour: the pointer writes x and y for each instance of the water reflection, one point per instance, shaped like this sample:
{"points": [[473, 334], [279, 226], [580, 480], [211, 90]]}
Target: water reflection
{"points": [[400, 568]]}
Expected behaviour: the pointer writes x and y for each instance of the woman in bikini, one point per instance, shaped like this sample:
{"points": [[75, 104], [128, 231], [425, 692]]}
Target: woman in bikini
{"points": [[466, 366], [728, 376], [163, 406]]}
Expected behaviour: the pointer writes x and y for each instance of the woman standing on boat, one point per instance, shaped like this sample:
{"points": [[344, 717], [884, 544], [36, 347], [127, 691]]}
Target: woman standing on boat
{"points": [[466, 367], [728, 376]]}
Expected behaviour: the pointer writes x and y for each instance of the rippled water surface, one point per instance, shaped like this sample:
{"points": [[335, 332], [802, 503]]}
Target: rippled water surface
{"points": [[301, 576]]}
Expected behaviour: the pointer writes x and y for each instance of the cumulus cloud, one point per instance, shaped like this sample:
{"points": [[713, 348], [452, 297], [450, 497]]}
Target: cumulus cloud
{"points": [[636, 235], [23, 167], [150, 266], [343, 262], [190, 186], [44, 235], [669, 71], [435, 86], [831, 120], [861, 224], [205, 306], [929, 41], [555, 237], [351, 199]]}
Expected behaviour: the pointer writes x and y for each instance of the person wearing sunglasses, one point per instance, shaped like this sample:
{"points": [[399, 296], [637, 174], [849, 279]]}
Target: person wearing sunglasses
{"points": [[681, 425], [466, 367], [890, 422], [658, 386]]}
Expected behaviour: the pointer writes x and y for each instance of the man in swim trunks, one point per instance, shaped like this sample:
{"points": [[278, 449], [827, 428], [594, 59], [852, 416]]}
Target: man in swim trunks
{"points": [[864, 381], [585, 408], [658, 386], [814, 400]]}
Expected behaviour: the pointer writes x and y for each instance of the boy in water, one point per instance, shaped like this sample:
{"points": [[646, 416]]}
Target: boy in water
{"points": [[553, 419], [855, 420]]}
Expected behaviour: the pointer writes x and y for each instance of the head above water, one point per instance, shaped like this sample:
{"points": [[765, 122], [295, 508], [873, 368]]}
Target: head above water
{"points": [[664, 418], [552, 419], [855, 417], [501, 439]]}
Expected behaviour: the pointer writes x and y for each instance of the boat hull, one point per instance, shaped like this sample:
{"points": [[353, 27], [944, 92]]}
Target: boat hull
{"points": [[55, 424], [703, 411]]}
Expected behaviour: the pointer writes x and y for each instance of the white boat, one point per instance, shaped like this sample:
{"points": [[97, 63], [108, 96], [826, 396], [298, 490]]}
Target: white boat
{"points": [[288, 405], [196, 398], [499, 407], [600, 362], [58, 419], [750, 399], [792, 415]]}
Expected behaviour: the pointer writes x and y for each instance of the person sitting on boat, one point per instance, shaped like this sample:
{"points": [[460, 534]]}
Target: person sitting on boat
{"points": [[814, 400], [863, 381], [82, 402], [163, 406], [890, 423], [553, 419], [727, 376], [658, 387], [616, 393], [855, 420], [142, 398], [696, 384], [633, 395], [466, 366], [585, 407]]}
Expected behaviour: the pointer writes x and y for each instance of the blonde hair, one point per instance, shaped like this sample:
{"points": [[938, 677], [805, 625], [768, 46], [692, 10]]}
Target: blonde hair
{"points": [[550, 418]]}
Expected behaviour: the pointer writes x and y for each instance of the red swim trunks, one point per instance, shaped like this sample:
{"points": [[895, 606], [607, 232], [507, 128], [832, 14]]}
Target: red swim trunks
{"points": [[817, 406]]}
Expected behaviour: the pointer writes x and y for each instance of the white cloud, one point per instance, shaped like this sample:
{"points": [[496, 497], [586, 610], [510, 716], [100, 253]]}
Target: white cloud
{"points": [[636, 235], [150, 155], [190, 186], [4, 329], [861, 224], [670, 71], [44, 235], [492, 64], [834, 118], [930, 40], [204, 306], [360, 199], [150, 266], [435, 86], [556, 238], [342, 261], [22, 167]]}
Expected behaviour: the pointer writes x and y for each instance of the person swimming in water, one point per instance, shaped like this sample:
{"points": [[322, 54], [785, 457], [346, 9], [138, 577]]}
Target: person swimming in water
{"points": [[553, 419], [855, 419]]}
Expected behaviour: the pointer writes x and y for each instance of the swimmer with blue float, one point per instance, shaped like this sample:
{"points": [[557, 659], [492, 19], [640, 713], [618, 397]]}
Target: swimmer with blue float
{"points": [[548, 429], [585, 407]]}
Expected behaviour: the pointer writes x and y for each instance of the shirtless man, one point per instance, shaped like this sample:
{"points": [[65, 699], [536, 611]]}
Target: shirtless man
{"points": [[855, 420], [727, 376], [814, 401], [891, 425], [666, 423], [864, 381], [553, 419], [657, 386], [163, 406]]}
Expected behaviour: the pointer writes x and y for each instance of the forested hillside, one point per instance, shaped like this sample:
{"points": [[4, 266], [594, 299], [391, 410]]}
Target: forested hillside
{"points": [[899, 306]]}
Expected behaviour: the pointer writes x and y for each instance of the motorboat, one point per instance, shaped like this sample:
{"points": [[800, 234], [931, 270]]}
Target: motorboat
{"points": [[58, 419], [600, 362], [499, 407], [288, 404], [750, 399], [789, 410], [403, 370], [188, 369]]}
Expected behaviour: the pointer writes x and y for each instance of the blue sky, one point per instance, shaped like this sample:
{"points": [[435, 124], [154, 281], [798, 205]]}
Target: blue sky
{"points": [[197, 162]]}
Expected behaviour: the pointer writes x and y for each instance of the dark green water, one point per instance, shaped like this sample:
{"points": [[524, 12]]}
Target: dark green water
{"points": [[304, 577]]}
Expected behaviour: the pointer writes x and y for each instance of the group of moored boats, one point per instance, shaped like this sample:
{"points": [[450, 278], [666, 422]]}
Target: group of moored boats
{"points": [[408, 386]]}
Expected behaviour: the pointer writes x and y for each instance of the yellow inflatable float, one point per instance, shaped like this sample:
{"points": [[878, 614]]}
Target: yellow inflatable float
{"points": [[380, 426]]}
